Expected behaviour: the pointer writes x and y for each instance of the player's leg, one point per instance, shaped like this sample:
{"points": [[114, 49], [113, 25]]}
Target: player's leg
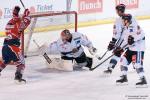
{"points": [[6, 53], [16, 56], [20, 69], [83, 61], [139, 68], [112, 64], [124, 62]]}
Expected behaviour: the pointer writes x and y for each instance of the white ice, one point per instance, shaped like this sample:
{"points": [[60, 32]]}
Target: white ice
{"points": [[45, 84]]}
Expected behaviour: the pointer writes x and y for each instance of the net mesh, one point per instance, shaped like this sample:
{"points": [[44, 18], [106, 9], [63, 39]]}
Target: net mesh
{"points": [[46, 27]]}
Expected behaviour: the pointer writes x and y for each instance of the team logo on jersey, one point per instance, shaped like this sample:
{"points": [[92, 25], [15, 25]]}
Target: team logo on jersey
{"points": [[131, 30], [77, 42]]}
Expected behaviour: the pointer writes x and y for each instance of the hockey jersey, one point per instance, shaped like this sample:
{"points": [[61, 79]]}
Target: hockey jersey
{"points": [[16, 26], [65, 48], [118, 28], [137, 33]]}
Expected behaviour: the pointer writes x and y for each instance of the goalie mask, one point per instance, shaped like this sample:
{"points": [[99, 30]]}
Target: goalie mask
{"points": [[66, 35]]}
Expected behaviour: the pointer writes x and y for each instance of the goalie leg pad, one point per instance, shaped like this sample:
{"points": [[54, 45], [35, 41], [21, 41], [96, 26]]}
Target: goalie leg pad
{"points": [[60, 64], [89, 62], [84, 59]]}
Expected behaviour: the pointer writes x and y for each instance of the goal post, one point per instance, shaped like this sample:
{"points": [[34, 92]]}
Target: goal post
{"points": [[44, 25]]}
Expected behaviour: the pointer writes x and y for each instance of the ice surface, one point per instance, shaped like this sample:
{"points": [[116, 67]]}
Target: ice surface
{"points": [[46, 84]]}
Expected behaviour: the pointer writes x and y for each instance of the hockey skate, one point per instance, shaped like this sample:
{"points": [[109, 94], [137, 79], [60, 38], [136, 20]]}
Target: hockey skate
{"points": [[18, 78], [108, 71], [123, 80], [142, 81]]}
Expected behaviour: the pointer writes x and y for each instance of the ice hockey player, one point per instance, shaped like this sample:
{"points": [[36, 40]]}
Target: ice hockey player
{"points": [[70, 48], [11, 51], [117, 37], [135, 38]]}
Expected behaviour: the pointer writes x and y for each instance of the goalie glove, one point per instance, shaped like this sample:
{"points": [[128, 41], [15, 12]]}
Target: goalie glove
{"points": [[92, 50], [74, 50]]}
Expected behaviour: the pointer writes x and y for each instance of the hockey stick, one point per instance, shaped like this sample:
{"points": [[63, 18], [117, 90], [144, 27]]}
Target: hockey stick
{"points": [[22, 4], [45, 54], [103, 55], [105, 60], [117, 44], [125, 46]]}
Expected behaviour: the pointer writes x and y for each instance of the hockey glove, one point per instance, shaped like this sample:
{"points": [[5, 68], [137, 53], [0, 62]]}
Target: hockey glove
{"points": [[118, 51], [26, 13], [130, 40], [92, 50], [74, 50], [112, 44]]}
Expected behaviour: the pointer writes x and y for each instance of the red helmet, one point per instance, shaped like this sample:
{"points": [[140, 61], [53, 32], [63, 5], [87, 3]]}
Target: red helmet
{"points": [[65, 32]]}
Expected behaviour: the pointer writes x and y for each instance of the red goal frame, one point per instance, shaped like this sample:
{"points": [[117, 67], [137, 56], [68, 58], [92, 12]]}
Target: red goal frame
{"points": [[51, 13]]}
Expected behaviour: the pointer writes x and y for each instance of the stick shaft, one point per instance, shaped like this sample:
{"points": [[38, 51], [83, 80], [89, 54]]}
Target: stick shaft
{"points": [[22, 4]]}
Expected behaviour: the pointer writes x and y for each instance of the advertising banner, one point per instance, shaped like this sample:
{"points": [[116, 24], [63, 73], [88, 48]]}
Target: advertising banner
{"points": [[90, 6], [130, 4]]}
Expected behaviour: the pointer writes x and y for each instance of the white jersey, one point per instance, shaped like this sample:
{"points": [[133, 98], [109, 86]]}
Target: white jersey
{"points": [[137, 33], [65, 48], [118, 28]]}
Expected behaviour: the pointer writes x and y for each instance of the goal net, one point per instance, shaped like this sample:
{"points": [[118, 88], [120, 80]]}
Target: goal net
{"points": [[45, 28]]}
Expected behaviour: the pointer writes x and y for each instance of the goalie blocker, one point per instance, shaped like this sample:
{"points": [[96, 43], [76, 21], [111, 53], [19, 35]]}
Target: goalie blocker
{"points": [[69, 47]]}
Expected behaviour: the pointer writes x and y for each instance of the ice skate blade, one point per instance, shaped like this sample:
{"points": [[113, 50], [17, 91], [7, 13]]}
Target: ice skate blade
{"points": [[20, 82], [121, 84], [142, 86], [105, 75]]}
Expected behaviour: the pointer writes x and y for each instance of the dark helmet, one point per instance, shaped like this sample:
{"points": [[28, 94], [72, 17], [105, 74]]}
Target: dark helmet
{"points": [[16, 11], [127, 17], [121, 7], [17, 8]]}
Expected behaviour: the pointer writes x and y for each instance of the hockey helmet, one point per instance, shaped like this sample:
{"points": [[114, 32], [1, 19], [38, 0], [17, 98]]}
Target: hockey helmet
{"points": [[121, 7], [127, 17], [65, 32], [16, 11]]}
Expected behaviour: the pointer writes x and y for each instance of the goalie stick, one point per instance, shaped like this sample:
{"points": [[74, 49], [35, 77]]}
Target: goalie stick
{"points": [[45, 54], [125, 46]]}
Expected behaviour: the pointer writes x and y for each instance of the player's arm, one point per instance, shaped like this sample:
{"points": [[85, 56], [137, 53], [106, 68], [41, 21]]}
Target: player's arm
{"points": [[117, 29], [25, 21], [86, 42], [137, 34], [52, 48]]}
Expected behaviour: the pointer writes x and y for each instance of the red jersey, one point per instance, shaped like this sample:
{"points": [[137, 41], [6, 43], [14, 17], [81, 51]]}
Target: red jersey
{"points": [[16, 26]]}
